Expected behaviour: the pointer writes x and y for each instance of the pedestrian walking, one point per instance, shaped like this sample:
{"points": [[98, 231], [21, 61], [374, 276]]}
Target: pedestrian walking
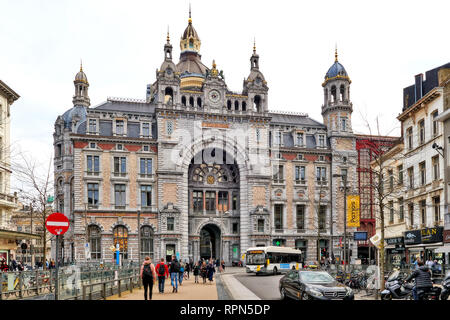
{"points": [[148, 274], [181, 273], [188, 269], [203, 271], [223, 265], [174, 271], [163, 273], [196, 271], [210, 271]]}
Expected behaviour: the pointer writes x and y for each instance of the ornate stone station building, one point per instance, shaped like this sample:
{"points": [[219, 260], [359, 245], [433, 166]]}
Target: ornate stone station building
{"points": [[212, 172]]}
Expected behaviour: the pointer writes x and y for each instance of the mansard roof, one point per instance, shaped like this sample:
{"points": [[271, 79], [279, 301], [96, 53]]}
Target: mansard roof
{"points": [[294, 119], [126, 105]]}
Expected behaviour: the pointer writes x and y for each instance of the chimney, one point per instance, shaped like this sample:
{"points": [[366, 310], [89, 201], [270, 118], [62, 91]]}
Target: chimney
{"points": [[418, 87]]}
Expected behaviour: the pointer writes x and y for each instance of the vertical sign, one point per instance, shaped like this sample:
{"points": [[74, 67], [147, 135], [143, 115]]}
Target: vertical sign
{"points": [[353, 211]]}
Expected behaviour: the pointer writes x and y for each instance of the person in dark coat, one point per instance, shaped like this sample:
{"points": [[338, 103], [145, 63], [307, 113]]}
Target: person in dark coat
{"points": [[196, 271], [210, 271], [204, 271], [423, 279]]}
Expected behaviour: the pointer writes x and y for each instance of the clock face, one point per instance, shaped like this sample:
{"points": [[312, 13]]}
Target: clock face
{"points": [[169, 71], [214, 96]]}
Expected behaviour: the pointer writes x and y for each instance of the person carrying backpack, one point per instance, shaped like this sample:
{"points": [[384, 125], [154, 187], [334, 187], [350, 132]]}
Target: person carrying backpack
{"points": [[148, 274], [163, 272], [196, 271], [174, 271]]}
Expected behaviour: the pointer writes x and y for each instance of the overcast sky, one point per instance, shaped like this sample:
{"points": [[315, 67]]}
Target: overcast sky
{"points": [[382, 45]]}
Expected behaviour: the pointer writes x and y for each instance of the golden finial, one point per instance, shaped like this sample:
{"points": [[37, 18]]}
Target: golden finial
{"points": [[214, 64], [81, 65], [168, 37], [335, 54], [190, 19], [254, 45]]}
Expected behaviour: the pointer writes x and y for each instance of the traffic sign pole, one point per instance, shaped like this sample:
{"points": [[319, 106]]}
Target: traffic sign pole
{"points": [[57, 269]]}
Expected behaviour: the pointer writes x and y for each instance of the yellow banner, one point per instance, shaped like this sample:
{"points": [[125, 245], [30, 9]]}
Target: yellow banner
{"points": [[353, 211]]}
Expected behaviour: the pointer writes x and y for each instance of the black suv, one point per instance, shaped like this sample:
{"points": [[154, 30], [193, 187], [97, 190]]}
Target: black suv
{"points": [[313, 285]]}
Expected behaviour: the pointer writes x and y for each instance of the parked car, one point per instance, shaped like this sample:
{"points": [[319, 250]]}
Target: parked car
{"points": [[313, 285]]}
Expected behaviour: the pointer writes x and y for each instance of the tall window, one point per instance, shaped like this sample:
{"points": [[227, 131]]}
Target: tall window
{"points": [[435, 161], [210, 201], [120, 165], [92, 193], [235, 201], [400, 174], [299, 173], [423, 211], [92, 126], [277, 141], [120, 127], [422, 131], [146, 196], [411, 177], [411, 213], [119, 195], [300, 216], [278, 216], [321, 141], [322, 217], [258, 135], [223, 201], [260, 225], [299, 140], [146, 129], [409, 137], [391, 211], [146, 166], [422, 173], [93, 164], [197, 198], [343, 124], [170, 224], [435, 123], [95, 237], [121, 238], [169, 127], [436, 207], [146, 242], [401, 209], [278, 174], [391, 180], [321, 174]]}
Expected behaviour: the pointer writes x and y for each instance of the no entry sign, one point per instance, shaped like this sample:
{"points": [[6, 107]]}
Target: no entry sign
{"points": [[57, 223]]}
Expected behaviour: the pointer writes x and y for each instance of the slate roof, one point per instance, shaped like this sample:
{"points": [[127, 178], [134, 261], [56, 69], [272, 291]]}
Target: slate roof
{"points": [[294, 119], [125, 106]]}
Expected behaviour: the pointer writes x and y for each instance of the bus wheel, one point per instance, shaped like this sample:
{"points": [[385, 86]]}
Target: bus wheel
{"points": [[275, 271]]}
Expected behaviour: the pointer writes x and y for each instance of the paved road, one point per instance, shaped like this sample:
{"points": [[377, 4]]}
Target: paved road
{"points": [[266, 286]]}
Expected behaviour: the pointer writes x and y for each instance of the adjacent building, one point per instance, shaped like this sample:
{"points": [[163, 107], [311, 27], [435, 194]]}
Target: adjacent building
{"points": [[210, 171]]}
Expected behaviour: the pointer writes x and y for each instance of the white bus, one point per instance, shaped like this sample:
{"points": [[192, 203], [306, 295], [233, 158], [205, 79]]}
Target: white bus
{"points": [[272, 260]]}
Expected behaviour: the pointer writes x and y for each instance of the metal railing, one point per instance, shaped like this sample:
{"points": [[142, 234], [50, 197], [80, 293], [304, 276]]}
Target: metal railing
{"points": [[73, 280]]}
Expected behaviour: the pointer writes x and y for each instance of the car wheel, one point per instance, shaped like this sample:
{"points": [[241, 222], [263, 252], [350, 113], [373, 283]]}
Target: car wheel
{"points": [[275, 271], [283, 294], [305, 296]]}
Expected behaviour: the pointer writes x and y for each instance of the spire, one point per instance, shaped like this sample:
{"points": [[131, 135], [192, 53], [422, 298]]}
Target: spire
{"points": [[190, 18], [81, 65], [254, 45], [335, 54], [168, 36]]}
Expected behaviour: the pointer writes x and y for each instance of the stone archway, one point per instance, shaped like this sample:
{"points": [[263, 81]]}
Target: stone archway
{"points": [[210, 242]]}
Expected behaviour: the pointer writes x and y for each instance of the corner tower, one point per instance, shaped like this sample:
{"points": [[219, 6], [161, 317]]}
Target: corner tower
{"points": [[81, 97]]}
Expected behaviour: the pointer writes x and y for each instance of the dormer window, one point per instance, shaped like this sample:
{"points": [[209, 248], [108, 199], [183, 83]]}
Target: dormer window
{"points": [[120, 127], [277, 141], [321, 141], [299, 139], [92, 126], [146, 129]]}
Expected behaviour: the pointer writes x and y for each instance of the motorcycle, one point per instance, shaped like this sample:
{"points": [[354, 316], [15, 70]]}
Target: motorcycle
{"points": [[396, 288], [446, 287], [429, 294]]}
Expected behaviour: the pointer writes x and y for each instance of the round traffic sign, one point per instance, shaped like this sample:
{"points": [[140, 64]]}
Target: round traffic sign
{"points": [[57, 223]]}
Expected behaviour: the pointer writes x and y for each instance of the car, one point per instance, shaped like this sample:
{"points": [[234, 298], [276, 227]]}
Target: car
{"points": [[313, 285]]}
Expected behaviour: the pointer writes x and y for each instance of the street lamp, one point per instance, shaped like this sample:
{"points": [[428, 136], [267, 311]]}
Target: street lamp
{"points": [[344, 178], [437, 147]]}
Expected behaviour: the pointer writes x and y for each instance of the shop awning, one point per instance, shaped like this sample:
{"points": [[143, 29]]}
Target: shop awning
{"points": [[15, 235]]}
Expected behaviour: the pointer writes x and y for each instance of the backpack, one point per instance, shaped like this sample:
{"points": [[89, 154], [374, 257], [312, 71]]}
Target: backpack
{"points": [[176, 267], [147, 272], [161, 270]]}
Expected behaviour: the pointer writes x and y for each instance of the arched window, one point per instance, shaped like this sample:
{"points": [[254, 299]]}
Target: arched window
{"points": [[183, 101], [191, 102], [229, 104], [121, 238], [236, 105], [199, 102], [257, 103], [244, 106], [95, 237], [326, 96], [168, 95], [333, 94], [342, 93], [191, 43], [146, 242]]}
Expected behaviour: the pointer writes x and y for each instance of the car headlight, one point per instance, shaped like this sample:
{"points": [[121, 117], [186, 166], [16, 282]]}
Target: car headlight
{"points": [[315, 293], [349, 291]]}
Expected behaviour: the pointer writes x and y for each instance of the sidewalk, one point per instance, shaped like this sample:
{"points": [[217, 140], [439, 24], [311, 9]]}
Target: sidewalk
{"points": [[187, 291]]}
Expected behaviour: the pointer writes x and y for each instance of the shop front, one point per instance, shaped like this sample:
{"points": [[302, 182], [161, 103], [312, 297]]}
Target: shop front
{"points": [[395, 252], [8, 243], [425, 244]]}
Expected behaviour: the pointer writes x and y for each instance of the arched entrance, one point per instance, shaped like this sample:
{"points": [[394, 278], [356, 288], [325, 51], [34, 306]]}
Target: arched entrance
{"points": [[210, 242]]}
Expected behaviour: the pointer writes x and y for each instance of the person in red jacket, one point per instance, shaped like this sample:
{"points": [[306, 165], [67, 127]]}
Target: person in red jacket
{"points": [[162, 271]]}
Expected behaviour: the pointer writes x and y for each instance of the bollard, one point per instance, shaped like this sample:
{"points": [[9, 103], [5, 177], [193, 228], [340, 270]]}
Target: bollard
{"points": [[120, 294], [104, 290], [131, 284], [20, 285], [84, 292]]}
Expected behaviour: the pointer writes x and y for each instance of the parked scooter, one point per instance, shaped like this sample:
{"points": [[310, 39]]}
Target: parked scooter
{"points": [[396, 288], [445, 287]]}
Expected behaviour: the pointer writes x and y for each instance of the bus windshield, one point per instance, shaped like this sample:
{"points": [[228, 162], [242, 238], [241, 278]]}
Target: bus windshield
{"points": [[255, 258]]}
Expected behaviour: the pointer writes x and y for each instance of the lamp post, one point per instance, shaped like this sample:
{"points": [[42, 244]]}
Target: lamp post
{"points": [[139, 236], [344, 178]]}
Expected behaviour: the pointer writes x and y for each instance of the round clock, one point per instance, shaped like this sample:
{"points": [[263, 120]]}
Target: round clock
{"points": [[214, 96], [169, 71]]}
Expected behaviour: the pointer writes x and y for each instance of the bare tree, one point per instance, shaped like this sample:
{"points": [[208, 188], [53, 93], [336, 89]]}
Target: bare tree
{"points": [[35, 186]]}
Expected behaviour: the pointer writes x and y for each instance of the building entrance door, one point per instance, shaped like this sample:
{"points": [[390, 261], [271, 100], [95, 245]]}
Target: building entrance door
{"points": [[170, 251], [210, 242]]}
